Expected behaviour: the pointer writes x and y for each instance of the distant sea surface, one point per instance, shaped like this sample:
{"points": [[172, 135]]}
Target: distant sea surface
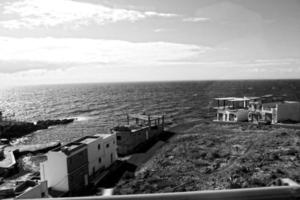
{"points": [[99, 107]]}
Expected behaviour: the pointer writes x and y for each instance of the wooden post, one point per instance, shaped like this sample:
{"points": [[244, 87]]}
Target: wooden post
{"points": [[149, 121]]}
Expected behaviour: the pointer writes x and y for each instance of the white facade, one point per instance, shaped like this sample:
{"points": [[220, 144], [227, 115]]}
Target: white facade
{"points": [[69, 167], [58, 168], [282, 111], [54, 170], [102, 151], [232, 115]]}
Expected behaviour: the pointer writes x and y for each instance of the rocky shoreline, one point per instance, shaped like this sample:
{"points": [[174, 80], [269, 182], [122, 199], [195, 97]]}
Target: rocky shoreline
{"points": [[209, 156], [12, 129]]}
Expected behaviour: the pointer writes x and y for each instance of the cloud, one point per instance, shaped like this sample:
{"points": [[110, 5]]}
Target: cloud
{"points": [[76, 51], [36, 13], [196, 19], [159, 30]]}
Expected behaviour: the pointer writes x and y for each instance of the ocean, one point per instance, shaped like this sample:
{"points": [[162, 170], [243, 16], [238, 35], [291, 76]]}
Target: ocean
{"points": [[99, 107]]}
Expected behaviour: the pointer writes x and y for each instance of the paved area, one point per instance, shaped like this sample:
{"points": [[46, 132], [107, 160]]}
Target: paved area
{"points": [[9, 159]]}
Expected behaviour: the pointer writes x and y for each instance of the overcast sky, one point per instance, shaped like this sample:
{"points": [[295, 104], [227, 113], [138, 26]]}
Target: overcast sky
{"points": [[68, 41]]}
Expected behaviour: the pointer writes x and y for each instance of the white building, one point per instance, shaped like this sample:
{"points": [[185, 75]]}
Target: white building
{"points": [[66, 168], [287, 111], [102, 151], [273, 109], [231, 109], [72, 167]]}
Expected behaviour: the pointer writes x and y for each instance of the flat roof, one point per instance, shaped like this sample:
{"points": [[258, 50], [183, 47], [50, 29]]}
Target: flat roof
{"points": [[72, 146], [145, 117], [235, 98], [239, 99], [224, 98], [103, 135], [87, 139]]}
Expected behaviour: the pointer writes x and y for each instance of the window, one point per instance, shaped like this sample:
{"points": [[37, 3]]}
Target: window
{"points": [[107, 145], [114, 142], [43, 194], [119, 138], [99, 160], [98, 146]]}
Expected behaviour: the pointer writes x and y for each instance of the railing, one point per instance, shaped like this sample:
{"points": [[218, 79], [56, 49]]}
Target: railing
{"points": [[265, 193]]}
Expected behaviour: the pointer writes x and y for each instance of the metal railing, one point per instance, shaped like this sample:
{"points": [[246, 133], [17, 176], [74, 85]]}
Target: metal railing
{"points": [[264, 193]]}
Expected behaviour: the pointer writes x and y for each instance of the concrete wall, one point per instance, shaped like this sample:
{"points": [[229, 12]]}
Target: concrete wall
{"points": [[54, 170], [110, 150], [288, 111], [242, 115], [78, 179], [233, 116], [38, 191], [76, 160], [99, 155], [95, 155], [130, 140]]}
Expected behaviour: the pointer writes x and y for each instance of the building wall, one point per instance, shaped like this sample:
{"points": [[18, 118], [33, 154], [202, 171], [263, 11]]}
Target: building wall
{"points": [[78, 170], [78, 179], [128, 141], [288, 111], [38, 191], [242, 115], [110, 150], [77, 159], [54, 170], [95, 152]]}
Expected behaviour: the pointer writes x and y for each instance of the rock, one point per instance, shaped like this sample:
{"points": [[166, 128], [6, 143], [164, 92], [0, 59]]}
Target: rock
{"points": [[19, 129]]}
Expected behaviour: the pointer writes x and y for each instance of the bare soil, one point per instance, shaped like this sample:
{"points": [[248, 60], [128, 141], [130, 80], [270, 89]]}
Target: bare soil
{"points": [[209, 156]]}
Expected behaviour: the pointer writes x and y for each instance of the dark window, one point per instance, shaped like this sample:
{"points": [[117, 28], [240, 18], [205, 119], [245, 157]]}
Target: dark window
{"points": [[107, 145], [98, 146], [43, 194], [99, 160], [119, 138]]}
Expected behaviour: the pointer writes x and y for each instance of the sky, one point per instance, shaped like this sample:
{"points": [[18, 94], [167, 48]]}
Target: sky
{"points": [[80, 41]]}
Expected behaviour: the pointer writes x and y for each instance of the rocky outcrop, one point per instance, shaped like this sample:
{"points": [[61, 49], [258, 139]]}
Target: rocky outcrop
{"points": [[44, 124], [19, 129], [35, 148]]}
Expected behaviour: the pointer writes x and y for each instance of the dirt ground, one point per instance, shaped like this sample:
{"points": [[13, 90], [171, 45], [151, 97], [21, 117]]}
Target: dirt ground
{"points": [[215, 156]]}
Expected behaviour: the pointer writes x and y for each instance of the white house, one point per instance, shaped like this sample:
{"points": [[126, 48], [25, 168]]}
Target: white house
{"points": [[232, 109], [102, 151], [66, 168], [286, 111], [72, 167], [273, 109]]}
